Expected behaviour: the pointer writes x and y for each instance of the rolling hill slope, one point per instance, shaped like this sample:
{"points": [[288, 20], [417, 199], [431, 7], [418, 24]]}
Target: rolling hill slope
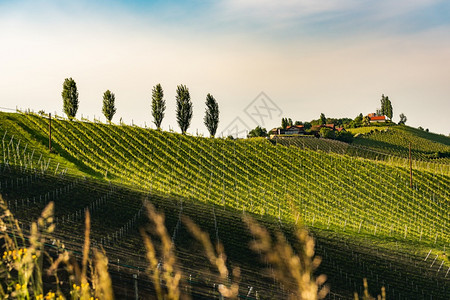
{"points": [[367, 220]]}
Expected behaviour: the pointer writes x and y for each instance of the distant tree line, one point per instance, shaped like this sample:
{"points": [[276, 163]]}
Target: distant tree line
{"points": [[184, 112], [184, 106], [316, 126]]}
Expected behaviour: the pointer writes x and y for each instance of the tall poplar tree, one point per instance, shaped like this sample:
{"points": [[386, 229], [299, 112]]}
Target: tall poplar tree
{"points": [[109, 106], [211, 118], [323, 119], [158, 105], [388, 108], [70, 98], [184, 108], [383, 105]]}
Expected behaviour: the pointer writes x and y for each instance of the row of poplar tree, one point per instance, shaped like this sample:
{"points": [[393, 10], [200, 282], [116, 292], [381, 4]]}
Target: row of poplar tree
{"points": [[184, 107]]}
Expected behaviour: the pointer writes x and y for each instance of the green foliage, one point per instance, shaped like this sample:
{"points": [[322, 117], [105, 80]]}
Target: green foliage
{"points": [[211, 118], [70, 97], [158, 105], [327, 133], [257, 132], [357, 122], [322, 119], [382, 110], [366, 121], [109, 107], [285, 122], [344, 136], [403, 119], [388, 108], [339, 122], [359, 118], [184, 108]]}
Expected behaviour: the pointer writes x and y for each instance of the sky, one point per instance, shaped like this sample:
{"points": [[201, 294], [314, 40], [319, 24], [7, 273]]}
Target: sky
{"points": [[262, 60]]}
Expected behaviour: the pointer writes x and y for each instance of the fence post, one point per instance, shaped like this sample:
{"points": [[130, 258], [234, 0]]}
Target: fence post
{"points": [[136, 293]]}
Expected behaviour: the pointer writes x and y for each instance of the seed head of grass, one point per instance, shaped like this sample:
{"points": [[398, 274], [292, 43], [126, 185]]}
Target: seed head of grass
{"points": [[217, 258], [293, 270], [169, 271]]}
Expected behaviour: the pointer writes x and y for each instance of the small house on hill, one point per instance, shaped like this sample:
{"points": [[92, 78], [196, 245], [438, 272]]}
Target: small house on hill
{"points": [[376, 119], [277, 131], [295, 129], [317, 127], [290, 130]]}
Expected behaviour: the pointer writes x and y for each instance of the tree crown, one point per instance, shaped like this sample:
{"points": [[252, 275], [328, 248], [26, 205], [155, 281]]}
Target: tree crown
{"points": [[70, 97]]}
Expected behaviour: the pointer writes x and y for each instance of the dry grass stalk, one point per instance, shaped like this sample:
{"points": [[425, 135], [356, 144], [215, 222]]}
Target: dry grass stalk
{"points": [[217, 258], [24, 262], [294, 271], [102, 280], [169, 272], [85, 290], [366, 294], [23, 265], [80, 286], [153, 263]]}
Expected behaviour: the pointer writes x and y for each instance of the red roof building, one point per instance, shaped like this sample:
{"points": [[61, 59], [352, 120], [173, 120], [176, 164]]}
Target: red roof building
{"points": [[377, 119]]}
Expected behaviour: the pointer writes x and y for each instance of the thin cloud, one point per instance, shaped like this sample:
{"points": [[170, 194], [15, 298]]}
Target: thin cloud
{"points": [[312, 16]]}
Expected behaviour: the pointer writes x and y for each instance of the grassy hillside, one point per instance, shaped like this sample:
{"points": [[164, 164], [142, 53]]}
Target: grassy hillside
{"points": [[116, 215], [362, 212], [396, 140]]}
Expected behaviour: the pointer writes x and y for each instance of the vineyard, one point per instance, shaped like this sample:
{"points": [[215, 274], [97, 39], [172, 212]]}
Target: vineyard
{"points": [[367, 220], [388, 155], [396, 140]]}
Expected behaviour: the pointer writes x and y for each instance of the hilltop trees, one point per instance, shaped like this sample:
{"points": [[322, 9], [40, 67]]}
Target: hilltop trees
{"points": [[366, 121], [402, 119], [357, 122], [383, 105], [109, 107], [158, 105], [327, 133], [184, 108], [386, 107], [257, 132], [211, 118], [70, 97], [323, 119], [285, 122]]}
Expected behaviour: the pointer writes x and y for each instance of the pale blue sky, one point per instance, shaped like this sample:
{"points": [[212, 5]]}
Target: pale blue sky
{"points": [[308, 56]]}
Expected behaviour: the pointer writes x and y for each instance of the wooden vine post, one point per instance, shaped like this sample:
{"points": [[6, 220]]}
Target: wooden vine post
{"points": [[410, 168], [50, 132]]}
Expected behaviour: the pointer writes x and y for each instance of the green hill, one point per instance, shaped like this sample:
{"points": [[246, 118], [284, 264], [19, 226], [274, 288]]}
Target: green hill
{"points": [[396, 140], [429, 152], [367, 220]]}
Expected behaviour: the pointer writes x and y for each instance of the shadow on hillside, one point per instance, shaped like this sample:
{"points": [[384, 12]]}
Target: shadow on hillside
{"points": [[430, 136], [347, 258], [58, 150]]}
